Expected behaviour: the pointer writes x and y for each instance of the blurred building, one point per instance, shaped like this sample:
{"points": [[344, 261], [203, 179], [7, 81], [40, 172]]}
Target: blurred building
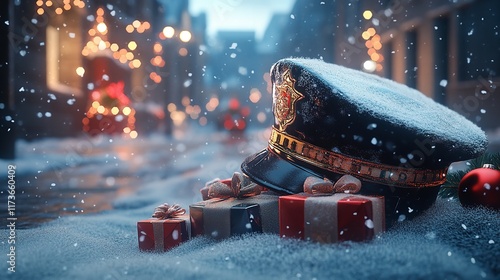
{"points": [[66, 55], [449, 51], [235, 80], [311, 29]]}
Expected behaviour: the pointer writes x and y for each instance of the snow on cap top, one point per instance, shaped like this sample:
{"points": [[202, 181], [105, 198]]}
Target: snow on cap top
{"points": [[389, 103]]}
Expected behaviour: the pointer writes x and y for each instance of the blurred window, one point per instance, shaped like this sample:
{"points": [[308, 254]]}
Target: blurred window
{"points": [[64, 58], [476, 56], [411, 58]]}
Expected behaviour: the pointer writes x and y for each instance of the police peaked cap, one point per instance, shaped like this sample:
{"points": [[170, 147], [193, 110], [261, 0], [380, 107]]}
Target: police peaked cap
{"points": [[330, 120]]}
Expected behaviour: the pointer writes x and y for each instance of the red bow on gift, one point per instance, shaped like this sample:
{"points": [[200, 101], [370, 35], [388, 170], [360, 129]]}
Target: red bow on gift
{"points": [[166, 211], [346, 184], [239, 186]]}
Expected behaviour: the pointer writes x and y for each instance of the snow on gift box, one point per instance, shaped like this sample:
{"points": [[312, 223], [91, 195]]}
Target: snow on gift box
{"points": [[168, 228], [330, 121], [234, 206], [329, 213]]}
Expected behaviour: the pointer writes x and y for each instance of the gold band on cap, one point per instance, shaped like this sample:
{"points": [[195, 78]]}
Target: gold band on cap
{"points": [[370, 171]]}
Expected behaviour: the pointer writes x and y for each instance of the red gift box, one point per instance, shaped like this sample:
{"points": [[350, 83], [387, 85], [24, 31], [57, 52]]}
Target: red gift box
{"points": [[161, 235], [332, 218]]}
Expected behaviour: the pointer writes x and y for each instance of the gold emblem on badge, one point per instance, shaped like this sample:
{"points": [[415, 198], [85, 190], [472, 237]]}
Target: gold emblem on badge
{"points": [[285, 96]]}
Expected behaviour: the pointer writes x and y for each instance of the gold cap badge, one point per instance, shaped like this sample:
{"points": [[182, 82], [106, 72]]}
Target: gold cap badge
{"points": [[284, 98]]}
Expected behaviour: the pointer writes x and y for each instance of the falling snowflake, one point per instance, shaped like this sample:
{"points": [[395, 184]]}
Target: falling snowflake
{"points": [[369, 223], [175, 235]]}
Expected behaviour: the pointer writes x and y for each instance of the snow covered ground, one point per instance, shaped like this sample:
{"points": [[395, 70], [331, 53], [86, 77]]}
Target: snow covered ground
{"points": [[78, 201]]}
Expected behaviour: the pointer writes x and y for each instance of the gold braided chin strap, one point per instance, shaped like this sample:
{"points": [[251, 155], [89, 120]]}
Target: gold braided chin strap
{"points": [[370, 171]]}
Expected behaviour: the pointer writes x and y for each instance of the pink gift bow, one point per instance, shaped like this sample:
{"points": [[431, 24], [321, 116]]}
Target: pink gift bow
{"points": [[346, 184], [239, 187], [166, 211]]}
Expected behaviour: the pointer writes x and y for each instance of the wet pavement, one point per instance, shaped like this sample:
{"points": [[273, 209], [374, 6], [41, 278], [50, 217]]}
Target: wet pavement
{"points": [[48, 196]]}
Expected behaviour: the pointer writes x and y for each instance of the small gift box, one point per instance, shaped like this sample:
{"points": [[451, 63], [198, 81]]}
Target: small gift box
{"points": [[331, 218], [232, 207], [167, 229]]}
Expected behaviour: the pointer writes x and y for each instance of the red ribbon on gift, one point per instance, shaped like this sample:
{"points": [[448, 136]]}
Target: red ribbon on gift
{"points": [[166, 211], [346, 184], [239, 186]]}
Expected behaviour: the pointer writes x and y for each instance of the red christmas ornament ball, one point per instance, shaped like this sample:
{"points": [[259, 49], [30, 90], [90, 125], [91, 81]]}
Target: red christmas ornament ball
{"points": [[481, 187]]}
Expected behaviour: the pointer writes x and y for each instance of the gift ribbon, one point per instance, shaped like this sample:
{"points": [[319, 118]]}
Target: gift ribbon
{"points": [[158, 236], [239, 187], [166, 211], [346, 184]]}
